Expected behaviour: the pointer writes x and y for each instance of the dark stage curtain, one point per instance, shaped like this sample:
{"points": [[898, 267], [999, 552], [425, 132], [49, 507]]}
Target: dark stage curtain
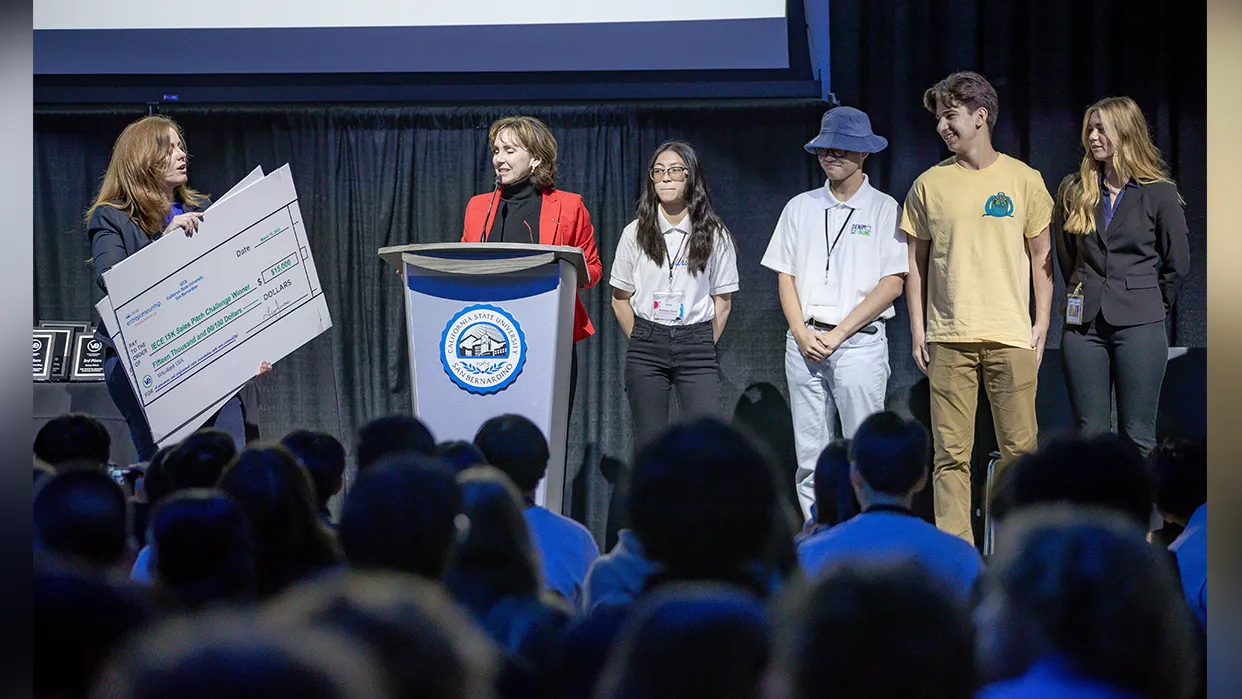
{"points": [[370, 176]]}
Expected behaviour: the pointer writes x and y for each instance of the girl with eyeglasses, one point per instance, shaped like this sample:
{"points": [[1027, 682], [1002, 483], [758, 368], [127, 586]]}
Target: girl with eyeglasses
{"points": [[673, 277]]}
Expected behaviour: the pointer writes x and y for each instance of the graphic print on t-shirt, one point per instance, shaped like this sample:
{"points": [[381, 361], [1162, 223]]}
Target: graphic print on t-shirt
{"points": [[998, 206]]}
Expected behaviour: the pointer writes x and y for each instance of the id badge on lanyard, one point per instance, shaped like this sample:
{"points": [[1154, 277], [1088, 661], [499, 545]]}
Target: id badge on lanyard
{"points": [[1073, 306], [669, 306], [826, 292]]}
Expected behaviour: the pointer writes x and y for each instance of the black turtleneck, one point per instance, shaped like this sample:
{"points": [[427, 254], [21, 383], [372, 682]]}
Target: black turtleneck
{"points": [[517, 215]]}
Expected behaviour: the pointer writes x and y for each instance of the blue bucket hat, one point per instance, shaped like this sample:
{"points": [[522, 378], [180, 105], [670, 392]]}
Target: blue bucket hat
{"points": [[846, 128]]}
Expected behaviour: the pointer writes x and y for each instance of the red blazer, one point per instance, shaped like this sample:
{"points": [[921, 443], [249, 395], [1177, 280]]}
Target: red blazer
{"points": [[563, 220]]}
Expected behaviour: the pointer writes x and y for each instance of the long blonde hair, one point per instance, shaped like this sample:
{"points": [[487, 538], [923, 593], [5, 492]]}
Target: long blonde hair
{"points": [[134, 180], [1135, 157]]}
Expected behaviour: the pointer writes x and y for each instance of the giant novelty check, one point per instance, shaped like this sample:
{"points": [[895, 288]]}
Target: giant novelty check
{"points": [[194, 316]]}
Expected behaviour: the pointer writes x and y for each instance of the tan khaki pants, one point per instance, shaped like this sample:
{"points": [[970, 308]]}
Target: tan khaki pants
{"points": [[1009, 376]]}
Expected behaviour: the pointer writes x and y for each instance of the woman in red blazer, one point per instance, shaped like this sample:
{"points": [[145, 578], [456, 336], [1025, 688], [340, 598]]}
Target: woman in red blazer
{"points": [[530, 209]]}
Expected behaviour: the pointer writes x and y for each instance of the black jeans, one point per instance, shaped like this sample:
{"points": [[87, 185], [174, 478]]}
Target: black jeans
{"points": [[661, 357], [1099, 357]]}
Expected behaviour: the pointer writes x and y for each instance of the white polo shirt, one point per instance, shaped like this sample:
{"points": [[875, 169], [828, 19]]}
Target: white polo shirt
{"points": [[633, 271], [870, 246]]}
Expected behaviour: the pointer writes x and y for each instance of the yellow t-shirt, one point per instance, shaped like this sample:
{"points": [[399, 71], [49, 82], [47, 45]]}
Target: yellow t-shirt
{"points": [[978, 272]]}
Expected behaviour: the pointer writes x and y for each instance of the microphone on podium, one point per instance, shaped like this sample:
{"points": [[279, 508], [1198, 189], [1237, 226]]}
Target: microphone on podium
{"points": [[485, 233]]}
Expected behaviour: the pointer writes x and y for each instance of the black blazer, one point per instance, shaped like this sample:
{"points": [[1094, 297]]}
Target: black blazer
{"points": [[1132, 271], [115, 236]]}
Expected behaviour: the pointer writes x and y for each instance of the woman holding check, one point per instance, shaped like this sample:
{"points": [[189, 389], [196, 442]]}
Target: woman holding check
{"points": [[673, 278], [145, 196]]}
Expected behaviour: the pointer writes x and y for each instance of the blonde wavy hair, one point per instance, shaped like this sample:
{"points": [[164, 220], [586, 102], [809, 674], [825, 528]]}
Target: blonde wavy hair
{"points": [[533, 135], [1135, 157], [134, 180]]}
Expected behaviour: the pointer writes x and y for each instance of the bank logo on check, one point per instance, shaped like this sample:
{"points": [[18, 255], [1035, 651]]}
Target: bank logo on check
{"points": [[483, 349]]}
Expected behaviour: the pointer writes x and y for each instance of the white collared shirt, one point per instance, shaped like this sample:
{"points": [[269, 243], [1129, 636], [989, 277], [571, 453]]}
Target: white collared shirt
{"points": [[871, 246], [634, 271]]}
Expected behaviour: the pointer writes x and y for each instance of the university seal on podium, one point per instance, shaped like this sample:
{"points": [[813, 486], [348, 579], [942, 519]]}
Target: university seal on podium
{"points": [[483, 349]]}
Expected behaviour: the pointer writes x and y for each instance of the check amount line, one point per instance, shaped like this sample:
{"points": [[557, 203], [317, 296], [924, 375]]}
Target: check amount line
{"points": [[293, 264], [178, 334], [177, 374], [194, 342]]}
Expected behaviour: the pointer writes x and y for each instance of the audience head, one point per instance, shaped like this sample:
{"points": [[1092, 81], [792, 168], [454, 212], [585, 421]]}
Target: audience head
{"points": [[885, 630], [401, 515], [425, 645], [201, 548], [154, 482], [233, 654], [1179, 469], [392, 435], [832, 474], [275, 492], [703, 500], [1083, 584], [1104, 470], [516, 446], [497, 553], [888, 456], [197, 461], [689, 640], [75, 438], [79, 620], [83, 515], [460, 455], [324, 458]]}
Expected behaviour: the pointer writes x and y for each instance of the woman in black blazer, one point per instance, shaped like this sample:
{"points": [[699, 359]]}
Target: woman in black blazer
{"points": [[143, 197], [1121, 242]]}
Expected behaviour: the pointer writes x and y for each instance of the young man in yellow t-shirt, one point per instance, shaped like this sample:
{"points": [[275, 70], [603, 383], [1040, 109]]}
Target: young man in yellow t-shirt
{"points": [[979, 239]]}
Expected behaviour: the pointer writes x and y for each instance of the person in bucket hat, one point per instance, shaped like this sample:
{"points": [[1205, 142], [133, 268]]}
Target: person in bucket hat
{"points": [[841, 260]]}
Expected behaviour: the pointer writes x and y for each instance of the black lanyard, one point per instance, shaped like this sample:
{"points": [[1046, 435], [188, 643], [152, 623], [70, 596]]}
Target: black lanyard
{"points": [[672, 261], [833, 244]]}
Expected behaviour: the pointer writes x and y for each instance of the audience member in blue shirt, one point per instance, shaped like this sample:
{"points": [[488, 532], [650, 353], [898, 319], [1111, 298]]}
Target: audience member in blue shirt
{"points": [[888, 465], [618, 576], [1180, 475], [517, 447]]}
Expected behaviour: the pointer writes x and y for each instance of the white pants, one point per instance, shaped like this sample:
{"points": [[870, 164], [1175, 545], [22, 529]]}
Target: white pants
{"points": [[851, 383]]}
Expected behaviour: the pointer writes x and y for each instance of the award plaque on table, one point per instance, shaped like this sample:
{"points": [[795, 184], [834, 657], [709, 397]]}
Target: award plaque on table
{"points": [[44, 340], [62, 340], [81, 326], [87, 359]]}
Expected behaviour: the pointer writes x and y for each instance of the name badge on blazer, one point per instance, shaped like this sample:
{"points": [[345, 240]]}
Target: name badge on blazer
{"points": [[1073, 306]]}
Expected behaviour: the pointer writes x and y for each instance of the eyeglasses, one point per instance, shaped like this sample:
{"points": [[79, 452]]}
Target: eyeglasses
{"points": [[677, 173], [834, 153]]}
